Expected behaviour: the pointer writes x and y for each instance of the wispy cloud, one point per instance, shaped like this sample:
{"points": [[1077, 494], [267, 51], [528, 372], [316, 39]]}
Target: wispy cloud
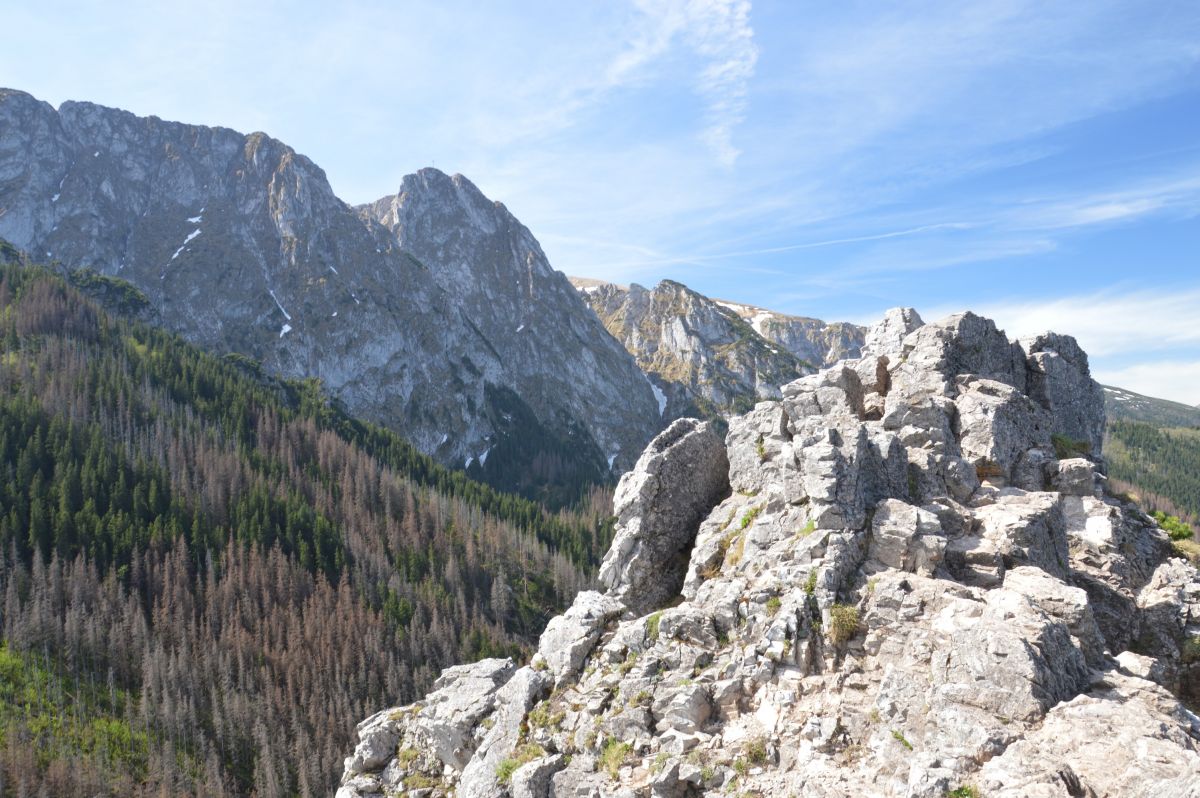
{"points": [[1110, 322], [719, 31], [1177, 194]]}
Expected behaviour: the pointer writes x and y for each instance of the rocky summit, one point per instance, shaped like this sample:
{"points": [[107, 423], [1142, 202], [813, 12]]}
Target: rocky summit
{"points": [[434, 312], [905, 577]]}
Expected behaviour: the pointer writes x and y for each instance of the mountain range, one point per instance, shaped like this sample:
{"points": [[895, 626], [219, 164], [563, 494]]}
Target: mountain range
{"points": [[237, 407], [433, 311]]}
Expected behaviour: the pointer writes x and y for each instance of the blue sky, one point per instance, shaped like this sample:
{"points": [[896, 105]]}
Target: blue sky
{"points": [[1038, 162]]}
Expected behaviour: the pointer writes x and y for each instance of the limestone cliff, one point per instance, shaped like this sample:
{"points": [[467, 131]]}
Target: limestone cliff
{"points": [[702, 356], [903, 578], [441, 318]]}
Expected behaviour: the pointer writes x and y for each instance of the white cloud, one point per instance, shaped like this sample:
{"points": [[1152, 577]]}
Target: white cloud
{"points": [[1145, 341], [1109, 323], [1177, 380]]}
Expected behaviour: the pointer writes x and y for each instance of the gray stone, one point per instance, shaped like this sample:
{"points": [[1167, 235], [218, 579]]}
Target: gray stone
{"points": [[513, 701], [570, 637], [532, 780], [1060, 380], [906, 538], [682, 474], [887, 336], [998, 426]]}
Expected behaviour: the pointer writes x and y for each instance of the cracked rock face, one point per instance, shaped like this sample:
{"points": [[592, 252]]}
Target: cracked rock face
{"points": [[708, 357], [904, 593], [433, 312], [659, 504]]}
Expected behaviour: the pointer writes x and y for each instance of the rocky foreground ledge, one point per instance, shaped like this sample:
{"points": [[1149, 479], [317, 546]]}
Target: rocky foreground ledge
{"points": [[906, 578]]}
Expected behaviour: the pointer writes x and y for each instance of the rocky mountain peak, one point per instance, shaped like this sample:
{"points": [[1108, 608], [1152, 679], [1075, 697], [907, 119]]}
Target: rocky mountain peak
{"points": [[434, 312], [904, 578], [702, 358]]}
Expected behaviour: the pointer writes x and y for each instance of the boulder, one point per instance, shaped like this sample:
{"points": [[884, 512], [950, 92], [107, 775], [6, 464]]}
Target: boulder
{"points": [[998, 425], [1126, 737], [905, 538], [682, 474], [1027, 529], [965, 344], [532, 780], [513, 701]]}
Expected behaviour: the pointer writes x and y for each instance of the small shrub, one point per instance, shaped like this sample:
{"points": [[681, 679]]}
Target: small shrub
{"points": [[762, 450], [1173, 526], [406, 756], [630, 660], [749, 517], [643, 699], [652, 626], [660, 762], [756, 751], [964, 791], [419, 781], [613, 756], [900, 738], [740, 767], [914, 484], [505, 770], [1189, 549], [773, 605], [523, 755], [540, 717], [810, 585], [1066, 447], [843, 623], [807, 529]]}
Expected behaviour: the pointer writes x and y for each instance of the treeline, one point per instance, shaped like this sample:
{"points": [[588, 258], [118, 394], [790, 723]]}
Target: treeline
{"points": [[228, 570], [1162, 465]]}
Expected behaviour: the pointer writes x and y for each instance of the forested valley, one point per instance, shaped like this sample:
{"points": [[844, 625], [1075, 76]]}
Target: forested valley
{"points": [[1161, 465], [207, 574]]}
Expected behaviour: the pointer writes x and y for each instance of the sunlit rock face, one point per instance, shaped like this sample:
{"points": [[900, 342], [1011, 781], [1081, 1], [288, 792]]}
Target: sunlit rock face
{"points": [[903, 590]]}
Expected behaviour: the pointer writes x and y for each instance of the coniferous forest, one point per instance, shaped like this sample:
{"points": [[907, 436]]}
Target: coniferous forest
{"points": [[1161, 465], [206, 573]]}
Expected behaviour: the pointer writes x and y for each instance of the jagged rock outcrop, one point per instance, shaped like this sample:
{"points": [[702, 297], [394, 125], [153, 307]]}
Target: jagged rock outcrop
{"points": [[659, 504], [907, 592], [433, 312], [812, 340], [701, 357]]}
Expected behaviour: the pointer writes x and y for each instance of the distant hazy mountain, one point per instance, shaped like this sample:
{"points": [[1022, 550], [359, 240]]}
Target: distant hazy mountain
{"points": [[707, 357], [1124, 405], [434, 311]]}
